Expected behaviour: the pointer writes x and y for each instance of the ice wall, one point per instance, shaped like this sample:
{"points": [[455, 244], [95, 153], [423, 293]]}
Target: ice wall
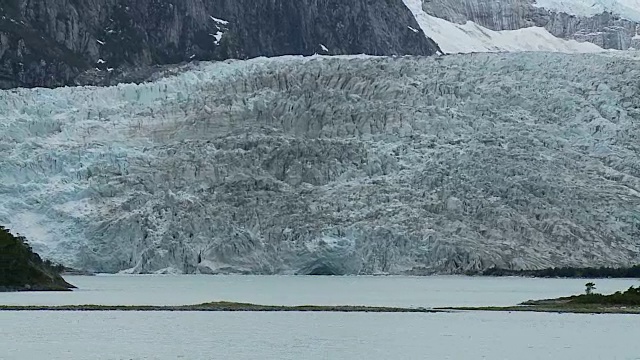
{"points": [[333, 166]]}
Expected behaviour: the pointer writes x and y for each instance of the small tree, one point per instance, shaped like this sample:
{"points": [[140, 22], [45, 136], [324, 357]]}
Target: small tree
{"points": [[589, 288]]}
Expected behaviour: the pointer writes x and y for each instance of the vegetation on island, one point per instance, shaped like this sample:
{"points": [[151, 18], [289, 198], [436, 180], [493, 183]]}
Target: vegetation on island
{"points": [[627, 302], [21, 269], [568, 272], [631, 297]]}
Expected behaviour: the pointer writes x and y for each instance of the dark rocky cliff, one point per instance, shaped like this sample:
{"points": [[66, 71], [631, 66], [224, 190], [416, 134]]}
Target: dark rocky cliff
{"points": [[49, 42], [22, 270]]}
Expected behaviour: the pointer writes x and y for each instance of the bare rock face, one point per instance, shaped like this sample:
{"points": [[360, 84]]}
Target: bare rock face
{"points": [[49, 42], [606, 30]]}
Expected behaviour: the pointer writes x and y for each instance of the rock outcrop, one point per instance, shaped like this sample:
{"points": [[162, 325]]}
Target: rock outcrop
{"points": [[49, 42], [606, 30], [23, 270]]}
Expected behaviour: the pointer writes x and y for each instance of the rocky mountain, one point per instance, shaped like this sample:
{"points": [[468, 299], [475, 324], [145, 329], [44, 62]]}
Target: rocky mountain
{"points": [[344, 165], [461, 35], [21, 269], [608, 24], [50, 42], [318, 165]]}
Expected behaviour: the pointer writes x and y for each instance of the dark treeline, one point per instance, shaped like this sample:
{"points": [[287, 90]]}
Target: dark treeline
{"points": [[23, 269], [631, 297], [568, 272]]}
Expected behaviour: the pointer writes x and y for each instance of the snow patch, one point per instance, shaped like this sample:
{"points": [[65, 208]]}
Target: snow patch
{"points": [[217, 36], [471, 37], [219, 21], [627, 9]]}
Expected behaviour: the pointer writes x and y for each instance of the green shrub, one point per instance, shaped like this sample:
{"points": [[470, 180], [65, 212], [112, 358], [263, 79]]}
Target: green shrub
{"points": [[631, 297]]}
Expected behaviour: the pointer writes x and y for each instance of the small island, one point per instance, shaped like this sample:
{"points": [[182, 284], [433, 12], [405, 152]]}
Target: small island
{"points": [[224, 306], [21, 269], [627, 302]]}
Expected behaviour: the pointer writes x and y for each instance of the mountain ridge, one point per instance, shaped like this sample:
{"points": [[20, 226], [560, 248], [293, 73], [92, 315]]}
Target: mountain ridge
{"points": [[49, 43]]}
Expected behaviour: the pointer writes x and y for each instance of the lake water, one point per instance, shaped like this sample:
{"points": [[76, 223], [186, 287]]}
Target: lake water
{"points": [[179, 335], [317, 290], [173, 335]]}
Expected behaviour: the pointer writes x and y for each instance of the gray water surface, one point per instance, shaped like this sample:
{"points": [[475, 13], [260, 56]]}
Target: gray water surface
{"points": [[175, 335], [301, 290], [371, 336]]}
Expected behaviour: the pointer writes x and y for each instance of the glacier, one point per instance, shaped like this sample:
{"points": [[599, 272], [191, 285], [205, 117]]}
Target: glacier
{"points": [[333, 165]]}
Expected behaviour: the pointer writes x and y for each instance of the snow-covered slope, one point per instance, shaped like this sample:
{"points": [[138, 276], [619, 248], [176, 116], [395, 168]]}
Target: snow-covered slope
{"points": [[333, 165], [471, 37]]}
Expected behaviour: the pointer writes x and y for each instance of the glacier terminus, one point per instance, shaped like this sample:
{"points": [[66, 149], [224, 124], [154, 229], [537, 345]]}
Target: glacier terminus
{"points": [[333, 165]]}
